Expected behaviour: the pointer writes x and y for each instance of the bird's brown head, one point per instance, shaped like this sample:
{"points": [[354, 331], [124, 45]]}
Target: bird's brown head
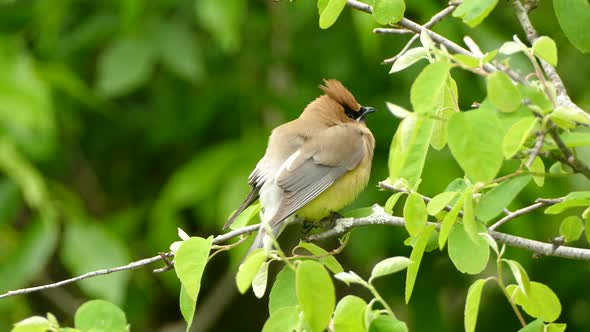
{"points": [[341, 103]]}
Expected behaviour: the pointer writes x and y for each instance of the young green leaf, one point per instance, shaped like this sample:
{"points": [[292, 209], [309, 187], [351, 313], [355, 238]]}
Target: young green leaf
{"points": [[415, 213], [475, 141], [282, 293], [440, 201], [328, 260], [448, 222], [329, 11], [416, 258], [315, 294], [389, 266], [468, 256], [249, 268], [349, 314], [511, 47], [472, 304], [517, 135], [440, 131], [260, 281], [520, 275], [574, 18], [385, 323], [32, 324], [502, 93], [534, 326], [469, 222], [544, 48], [540, 302], [244, 218], [391, 201], [187, 307], [473, 12], [494, 201], [100, 315], [538, 168], [409, 148], [283, 319], [388, 11], [571, 228], [555, 327], [428, 87], [407, 59], [397, 111], [571, 200], [350, 277]]}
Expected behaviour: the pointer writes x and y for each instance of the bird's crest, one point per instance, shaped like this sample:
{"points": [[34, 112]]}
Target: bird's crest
{"points": [[335, 90]]}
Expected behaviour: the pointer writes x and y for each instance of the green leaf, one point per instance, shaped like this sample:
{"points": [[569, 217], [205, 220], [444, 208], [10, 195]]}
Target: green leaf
{"points": [[544, 48], [517, 135], [541, 301], [534, 326], [384, 323], [469, 223], [571, 228], [249, 268], [415, 213], [260, 280], [389, 266], [520, 275], [391, 201], [538, 167], [315, 293], [407, 59], [575, 139], [329, 11], [32, 324], [574, 18], [472, 304], [80, 239], [571, 200], [283, 319], [179, 52], [494, 201], [223, 20], [388, 11], [567, 117], [555, 327], [416, 258], [100, 316], [283, 292], [428, 87], [328, 260], [349, 314], [440, 201], [468, 256], [189, 264], [397, 111], [124, 66], [244, 218], [473, 12], [350, 277], [475, 140], [409, 148], [440, 131], [511, 47], [187, 307], [448, 222], [502, 93]]}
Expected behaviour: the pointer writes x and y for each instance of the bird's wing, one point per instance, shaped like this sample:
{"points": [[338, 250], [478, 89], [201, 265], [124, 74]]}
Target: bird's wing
{"points": [[255, 180], [316, 165]]}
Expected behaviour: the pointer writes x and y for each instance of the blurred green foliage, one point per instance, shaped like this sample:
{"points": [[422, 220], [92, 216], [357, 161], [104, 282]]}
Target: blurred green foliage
{"points": [[122, 120]]}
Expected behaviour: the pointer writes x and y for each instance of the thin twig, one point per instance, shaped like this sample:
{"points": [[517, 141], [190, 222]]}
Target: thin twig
{"points": [[392, 31], [569, 157], [525, 210], [131, 266], [536, 149], [387, 186]]}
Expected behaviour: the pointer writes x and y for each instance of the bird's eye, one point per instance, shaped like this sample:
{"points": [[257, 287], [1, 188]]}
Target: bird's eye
{"points": [[350, 112]]}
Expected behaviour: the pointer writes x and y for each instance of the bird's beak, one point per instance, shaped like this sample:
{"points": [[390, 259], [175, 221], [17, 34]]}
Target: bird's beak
{"points": [[364, 111]]}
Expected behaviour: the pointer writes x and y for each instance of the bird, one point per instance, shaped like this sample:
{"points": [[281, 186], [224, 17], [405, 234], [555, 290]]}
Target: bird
{"points": [[314, 165]]}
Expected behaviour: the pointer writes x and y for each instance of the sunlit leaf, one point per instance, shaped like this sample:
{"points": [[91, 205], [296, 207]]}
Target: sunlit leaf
{"points": [[349, 314], [389, 266], [571, 228], [281, 320], [467, 255], [249, 268], [282, 293], [415, 213], [545, 49], [416, 258], [494, 201], [315, 294], [428, 87], [407, 59], [574, 18], [100, 315], [517, 135], [329, 11], [503, 94], [472, 304], [473, 12], [328, 260], [540, 302]]}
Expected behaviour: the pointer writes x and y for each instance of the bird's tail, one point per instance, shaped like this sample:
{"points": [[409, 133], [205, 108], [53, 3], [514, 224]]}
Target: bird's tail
{"points": [[259, 240]]}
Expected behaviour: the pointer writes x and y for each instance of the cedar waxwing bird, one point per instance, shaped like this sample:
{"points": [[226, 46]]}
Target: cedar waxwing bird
{"points": [[314, 165]]}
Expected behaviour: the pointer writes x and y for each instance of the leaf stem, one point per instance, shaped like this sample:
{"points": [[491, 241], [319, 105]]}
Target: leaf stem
{"points": [[508, 297]]}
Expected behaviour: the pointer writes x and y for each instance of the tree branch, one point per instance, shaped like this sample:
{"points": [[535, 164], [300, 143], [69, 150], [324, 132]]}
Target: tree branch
{"points": [[131, 266], [379, 217], [525, 210]]}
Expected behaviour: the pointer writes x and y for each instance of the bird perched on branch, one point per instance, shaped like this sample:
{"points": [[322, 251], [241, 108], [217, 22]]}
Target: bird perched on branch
{"points": [[314, 165]]}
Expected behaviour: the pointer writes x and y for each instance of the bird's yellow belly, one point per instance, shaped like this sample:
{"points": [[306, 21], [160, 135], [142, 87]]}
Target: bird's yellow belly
{"points": [[339, 194]]}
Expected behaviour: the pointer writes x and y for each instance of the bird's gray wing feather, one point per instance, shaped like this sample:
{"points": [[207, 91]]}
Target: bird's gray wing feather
{"points": [[316, 166]]}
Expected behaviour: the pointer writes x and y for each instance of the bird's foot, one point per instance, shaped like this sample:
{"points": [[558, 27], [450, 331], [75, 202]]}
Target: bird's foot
{"points": [[307, 226], [330, 221]]}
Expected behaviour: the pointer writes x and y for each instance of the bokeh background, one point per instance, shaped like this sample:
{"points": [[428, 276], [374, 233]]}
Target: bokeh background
{"points": [[122, 120]]}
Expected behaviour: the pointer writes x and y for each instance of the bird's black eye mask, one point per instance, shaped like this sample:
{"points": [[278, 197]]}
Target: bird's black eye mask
{"points": [[352, 114]]}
